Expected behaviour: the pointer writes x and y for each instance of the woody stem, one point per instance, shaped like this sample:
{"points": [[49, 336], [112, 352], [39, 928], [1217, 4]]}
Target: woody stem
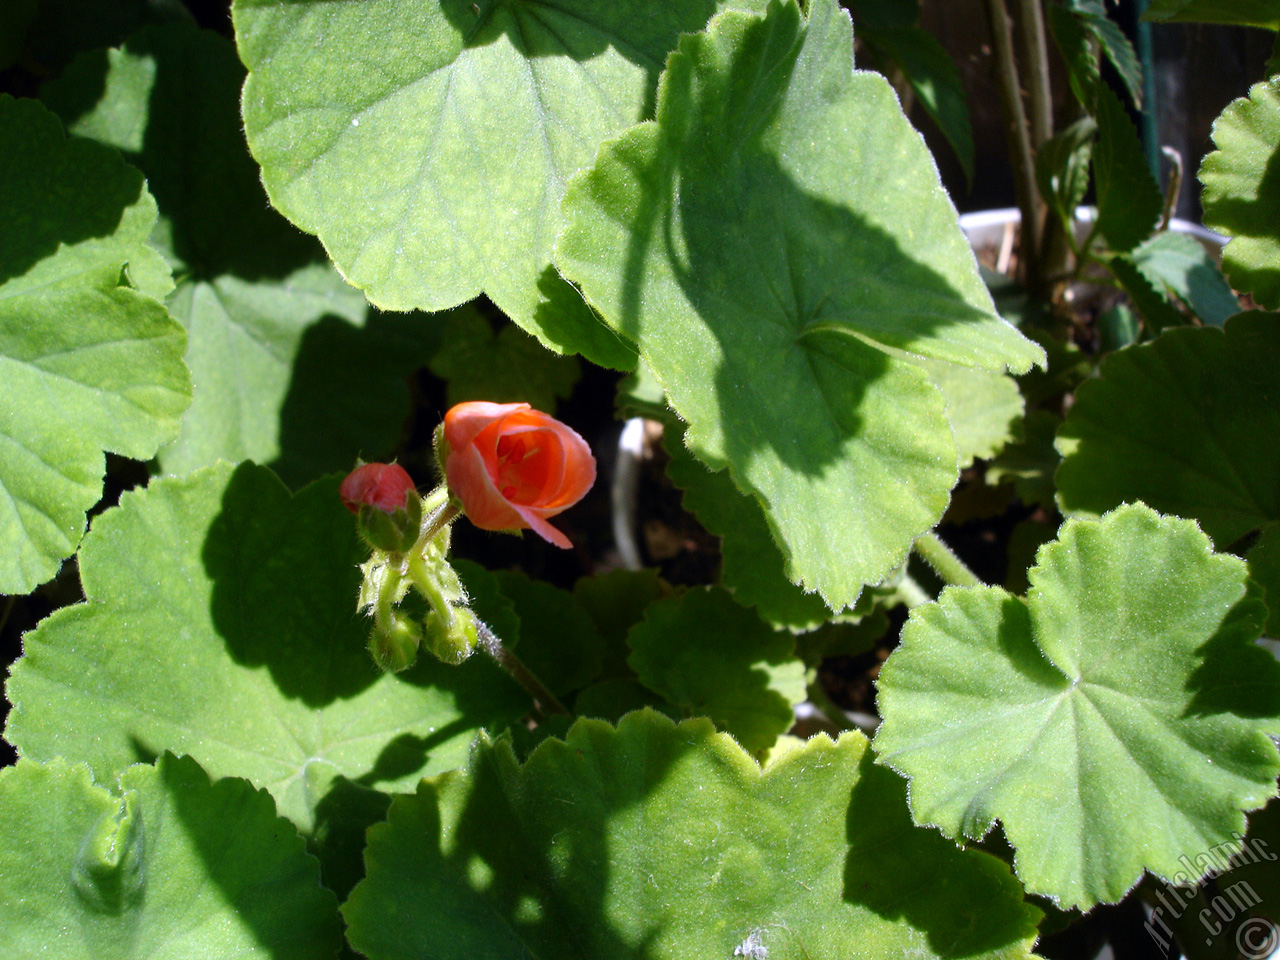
{"points": [[546, 701]]}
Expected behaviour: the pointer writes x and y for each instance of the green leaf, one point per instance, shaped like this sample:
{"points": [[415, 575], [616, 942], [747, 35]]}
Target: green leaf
{"points": [[558, 640], [1116, 46], [935, 78], [1075, 42], [1176, 424], [1129, 199], [438, 174], [1179, 265], [163, 864], [983, 408], [1242, 191], [712, 657], [774, 244], [88, 364], [503, 367], [1062, 168], [1264, 567], [288, 366], [1243, 13], [1114, 720], [661, 841], [220, 622], [753, 568], [1158, 310]]}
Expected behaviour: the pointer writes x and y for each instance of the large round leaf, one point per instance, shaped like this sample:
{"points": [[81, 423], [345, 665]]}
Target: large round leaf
{"points": [[164, 864], [1115, 720], [655, 840], [428, 143], [1242, 190], [221, 623], [779, 247], [87, 364]]}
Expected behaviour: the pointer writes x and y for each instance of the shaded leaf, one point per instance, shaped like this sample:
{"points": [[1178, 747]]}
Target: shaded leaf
{"points": [[162, 864], [1242, 191], [774, 244], [712, 657], [508, 366], [1264, 567], [558, 639], [1113, 42], [584, 851], [87, 363], [1062, 168], [983, 408], [1129, 199], [1175, 423], [1114, 720], [1243, 13]]}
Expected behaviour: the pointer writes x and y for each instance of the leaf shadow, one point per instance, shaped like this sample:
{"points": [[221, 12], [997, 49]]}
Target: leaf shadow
{"points": [[1234, 675], [802, 304], [972, 907]]}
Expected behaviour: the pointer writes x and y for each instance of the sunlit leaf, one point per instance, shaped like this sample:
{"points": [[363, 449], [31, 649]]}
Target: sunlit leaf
{"points": [[221, 622], [87, 362], [660, 841], [778, 246], [1242, 191], [163, 863], [1114, 720], [428, 144]]}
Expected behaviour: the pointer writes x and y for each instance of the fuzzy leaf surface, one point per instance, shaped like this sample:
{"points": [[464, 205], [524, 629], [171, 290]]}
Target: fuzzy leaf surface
{"points": [[290, 365], [1176, 423], [1242, 191], [661, 841], [163, 863], [778, 246], [428, 144], [221, 623], [87, 362], [712, 657], [1116, 718]]}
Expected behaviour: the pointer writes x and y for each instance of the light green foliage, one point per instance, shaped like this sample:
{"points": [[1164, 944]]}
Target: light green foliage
{"points": [[779, 265], [1030, 463], [504, 367], [428, 144], [1177, 423], [289, 367], [1129, 199], [1177, 265], [1244, 13], [87, 362], [667, 841], [711, 657], [163, 864], [1242, 191], [221, 623], [1114, 719], [984, 408]]}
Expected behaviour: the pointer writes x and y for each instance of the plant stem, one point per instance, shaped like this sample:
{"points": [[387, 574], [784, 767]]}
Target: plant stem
{"points": [[1035, 54], [543, 698], [912, 594], [944, 561], [1020, 149]]}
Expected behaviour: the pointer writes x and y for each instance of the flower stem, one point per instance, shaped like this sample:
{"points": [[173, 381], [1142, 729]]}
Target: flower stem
{"points": [[543, 698], [944, 561]]}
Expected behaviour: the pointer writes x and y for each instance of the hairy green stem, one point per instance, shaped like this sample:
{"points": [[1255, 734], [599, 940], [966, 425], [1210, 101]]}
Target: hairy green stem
{"points": [[1020, 149], [912, 594], [944, 561], [508, 661]]}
